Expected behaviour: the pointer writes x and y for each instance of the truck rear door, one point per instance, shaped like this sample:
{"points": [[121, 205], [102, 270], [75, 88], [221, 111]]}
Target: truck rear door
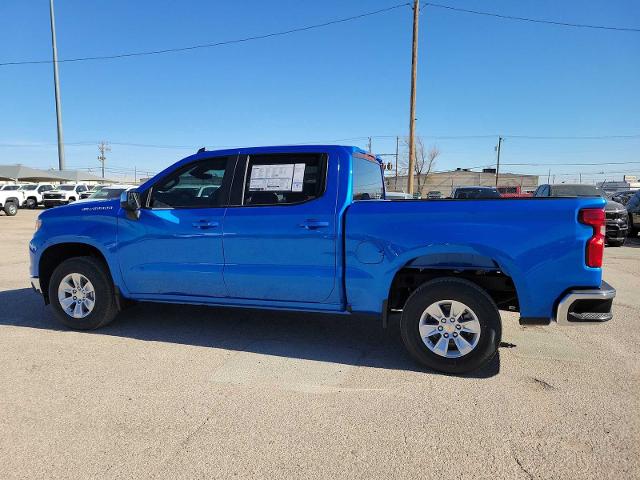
{"points": [[280, 230]]}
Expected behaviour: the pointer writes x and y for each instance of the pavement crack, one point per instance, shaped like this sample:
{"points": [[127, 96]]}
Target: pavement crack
{"points": [[184, 443], [526, 472]]}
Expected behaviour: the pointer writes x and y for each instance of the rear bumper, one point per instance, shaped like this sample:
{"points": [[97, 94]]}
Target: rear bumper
{"points": [[586, 307]]}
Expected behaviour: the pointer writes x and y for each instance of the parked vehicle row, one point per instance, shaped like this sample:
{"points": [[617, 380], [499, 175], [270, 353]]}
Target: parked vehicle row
{"points": [[31, 195], [617, 217]]}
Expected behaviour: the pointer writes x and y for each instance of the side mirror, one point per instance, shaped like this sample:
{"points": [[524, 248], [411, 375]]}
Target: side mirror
{"points": [[130, 201]]}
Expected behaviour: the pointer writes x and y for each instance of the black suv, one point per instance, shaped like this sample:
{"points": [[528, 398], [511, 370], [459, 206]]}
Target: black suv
{"points": [[633, 207], [616, 214]]}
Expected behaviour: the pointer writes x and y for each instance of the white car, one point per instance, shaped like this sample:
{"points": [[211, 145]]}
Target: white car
{"points": [[107, 193], [33, 193], [10, 201], [63, 194]]}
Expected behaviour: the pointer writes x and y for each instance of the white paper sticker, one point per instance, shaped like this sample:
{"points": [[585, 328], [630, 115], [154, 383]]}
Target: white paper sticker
{"points": [[277, 178], [298, 177]]}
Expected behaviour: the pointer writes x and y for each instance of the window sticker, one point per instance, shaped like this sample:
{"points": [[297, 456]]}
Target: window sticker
{"points": [[277, 178], [298, 177]]}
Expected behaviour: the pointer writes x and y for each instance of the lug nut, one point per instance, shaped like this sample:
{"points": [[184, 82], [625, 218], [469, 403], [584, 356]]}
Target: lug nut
{"points": [[453, 320], [458, 327], [455, 334], [446, 335], [444, 320], [440, 328]]}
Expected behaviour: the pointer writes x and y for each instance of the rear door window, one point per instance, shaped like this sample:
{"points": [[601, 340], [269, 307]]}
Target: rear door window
{"points": [[284, 179]]}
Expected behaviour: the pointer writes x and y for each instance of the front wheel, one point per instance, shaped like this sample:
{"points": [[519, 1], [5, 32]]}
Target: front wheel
{"points": [[10, 209], [451, 325], [31, 203], [82, 293]]}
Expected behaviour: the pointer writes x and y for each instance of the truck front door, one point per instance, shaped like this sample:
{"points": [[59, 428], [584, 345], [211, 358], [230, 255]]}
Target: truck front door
{"points": [[175, 246], [280, 233]]}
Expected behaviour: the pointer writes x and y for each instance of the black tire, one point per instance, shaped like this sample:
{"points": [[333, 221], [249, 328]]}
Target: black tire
{"points": [[10, 209], [71, 200], [617, 242], [474, 297], [31, 203], [105, 308]]}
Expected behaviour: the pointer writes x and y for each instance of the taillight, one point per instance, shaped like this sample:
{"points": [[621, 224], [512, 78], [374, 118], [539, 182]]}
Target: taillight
{"points": [[595, 246]]}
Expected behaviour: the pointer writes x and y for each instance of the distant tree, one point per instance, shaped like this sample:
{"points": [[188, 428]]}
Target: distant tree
{"points": [[425, 161]]}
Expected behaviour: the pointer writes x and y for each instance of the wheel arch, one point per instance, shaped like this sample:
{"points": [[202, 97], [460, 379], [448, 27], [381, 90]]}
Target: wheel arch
{"points": [[57, 253], [493, 273]]}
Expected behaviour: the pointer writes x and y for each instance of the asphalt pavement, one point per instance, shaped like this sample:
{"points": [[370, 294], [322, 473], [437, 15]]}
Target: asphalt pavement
{"points": [[192, 392]]}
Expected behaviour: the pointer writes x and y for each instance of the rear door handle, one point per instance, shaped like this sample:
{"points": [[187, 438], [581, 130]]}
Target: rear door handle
{"points": [[204, 224], [314, 224]]}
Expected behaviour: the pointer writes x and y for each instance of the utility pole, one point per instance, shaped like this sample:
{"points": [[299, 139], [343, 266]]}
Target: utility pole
{"points": [[397, 151], [135, 174], [581, 177], [498, 162], [103, 147], [412, 107], [369, 145], [549, 176], [56, 86]]}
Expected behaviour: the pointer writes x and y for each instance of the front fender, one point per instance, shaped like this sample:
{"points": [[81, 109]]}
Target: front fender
{"points": [[71, 225]]}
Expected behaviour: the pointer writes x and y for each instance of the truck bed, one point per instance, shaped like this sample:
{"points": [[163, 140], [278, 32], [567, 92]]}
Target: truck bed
{"points": [[530, 240]]}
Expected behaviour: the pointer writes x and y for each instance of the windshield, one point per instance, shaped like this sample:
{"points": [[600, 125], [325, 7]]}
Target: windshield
{"points": [[576, 191], [105, 193], [11, 187], [67, 187], [29, 187]]}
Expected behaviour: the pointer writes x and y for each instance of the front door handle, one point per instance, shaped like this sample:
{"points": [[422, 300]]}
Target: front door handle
{"points": [[204, 224], [314, 224]]}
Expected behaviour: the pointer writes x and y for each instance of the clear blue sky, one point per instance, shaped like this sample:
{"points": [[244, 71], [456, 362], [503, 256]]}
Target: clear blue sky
{"points": [[477, 76]]}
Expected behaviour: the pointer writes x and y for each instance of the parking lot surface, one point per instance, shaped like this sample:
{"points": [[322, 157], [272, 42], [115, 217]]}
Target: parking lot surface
{"points": [[191, 392]]}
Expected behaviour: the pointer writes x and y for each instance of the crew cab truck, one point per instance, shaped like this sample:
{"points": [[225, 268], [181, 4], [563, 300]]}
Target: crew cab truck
{"points": [[33, 193], [307, 228], [63, 194]]}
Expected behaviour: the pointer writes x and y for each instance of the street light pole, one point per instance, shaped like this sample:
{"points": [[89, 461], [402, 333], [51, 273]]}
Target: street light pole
{"points": [[56, 84]]}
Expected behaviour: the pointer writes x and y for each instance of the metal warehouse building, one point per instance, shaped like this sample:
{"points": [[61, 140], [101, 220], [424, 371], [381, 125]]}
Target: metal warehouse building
{"points": [[445, 182]]}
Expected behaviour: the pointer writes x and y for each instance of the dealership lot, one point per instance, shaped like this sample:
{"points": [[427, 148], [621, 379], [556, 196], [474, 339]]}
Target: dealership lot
{"points": [[183, 392]]}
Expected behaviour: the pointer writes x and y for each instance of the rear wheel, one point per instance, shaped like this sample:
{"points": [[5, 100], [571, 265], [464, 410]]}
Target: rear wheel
{"points": [[31, 203], [10, 209], [82, 294], [451, 325]]}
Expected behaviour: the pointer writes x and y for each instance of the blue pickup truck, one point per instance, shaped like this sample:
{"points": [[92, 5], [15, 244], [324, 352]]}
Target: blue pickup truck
{"points": [[308, 228]]}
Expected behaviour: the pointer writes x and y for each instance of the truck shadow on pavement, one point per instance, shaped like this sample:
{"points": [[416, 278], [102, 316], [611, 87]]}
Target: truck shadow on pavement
{"points": [[338, 339]]}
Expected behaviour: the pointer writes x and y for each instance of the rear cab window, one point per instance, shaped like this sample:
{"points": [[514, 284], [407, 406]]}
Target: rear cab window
{"points": [[367, 181]]}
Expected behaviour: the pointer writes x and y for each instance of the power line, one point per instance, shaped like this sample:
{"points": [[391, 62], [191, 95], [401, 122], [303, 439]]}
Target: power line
{"points": [[532, 20], [213, 44], [574, 164], [435, 137]]}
